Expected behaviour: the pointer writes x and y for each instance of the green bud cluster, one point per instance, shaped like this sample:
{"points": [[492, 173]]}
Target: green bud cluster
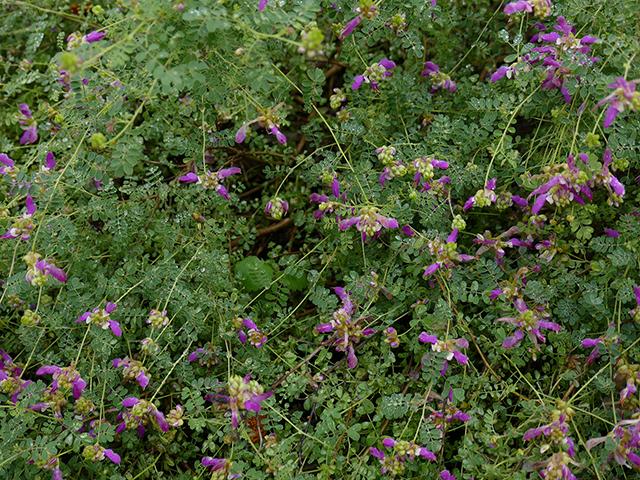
{"points": [[158, 319], [343, 115], [312, 38], [30, 319], [504, 201], [84, 406], [335, 101], [385, 155]]}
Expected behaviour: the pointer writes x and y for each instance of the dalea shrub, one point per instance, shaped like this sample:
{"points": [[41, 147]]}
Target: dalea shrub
{"points": [[317, 239]]}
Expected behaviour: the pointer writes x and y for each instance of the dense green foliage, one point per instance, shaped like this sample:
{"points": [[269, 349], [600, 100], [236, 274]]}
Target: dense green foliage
{"points": [[321, 256]]}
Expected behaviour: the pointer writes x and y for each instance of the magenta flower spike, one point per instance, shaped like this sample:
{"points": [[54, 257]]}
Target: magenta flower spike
{"points": [[28, 124], [350, 27]]}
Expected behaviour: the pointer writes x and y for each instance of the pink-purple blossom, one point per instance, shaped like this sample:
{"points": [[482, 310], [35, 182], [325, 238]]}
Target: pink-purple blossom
{"points": [[403, 452], [450, 346], [541, 8], [133, 370], [348, 331], [64, 378], [484, 197], [369, 222], [438, 79], [529, 321], [220, 465], [23, 225], [211, 180], [557, 430], [624, 96], [254, 335], [41, 270], [445, 253], [94, 36], [375, 74], [28, 124], [101, 317], [141, 412]]}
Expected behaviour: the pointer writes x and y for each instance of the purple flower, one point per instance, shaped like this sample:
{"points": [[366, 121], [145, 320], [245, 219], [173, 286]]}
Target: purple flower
{"points": [[425, 168], [10, 168], [347, 332], [38, 274], [403, 452], [541, 8], [133, 370], [140, 413], [211, 180], [50, 165], [267, 119], [445, 253], [484, 197], [277, 208], [244, 394], [611, 233], [438, 79], [95, 36], [23, 225], [221, 465], [353, 23], [636, 313], [624, 96], [65, 378], [256, 337], [445, 475], [375, 74], [451, 347], [557, 430], [529, 321], [101, 318], [261, 5], [28, 124], [369, 222]]}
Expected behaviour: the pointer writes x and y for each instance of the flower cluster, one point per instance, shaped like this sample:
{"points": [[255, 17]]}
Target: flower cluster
{"points": [[311, 39], [530, 321], [10, 381], [267, 119], [450, 346], [28, 124], [244, 394], [369, 222], [64, 379], [76, 39], [254, 335], [403, 452], [563, 47], [608, 338], [636, 312], [96, 453], [624, 96], [277, 208], [220, 467], [498, 244], [211, 180], [445, 253], [556, 431], [140, 413], [391, 337], [365, 9], [438, 79], [627, 439], [101, 318], [629, 373], [375, 74], [483, 197], [397, 23], [446, 413], [540, 8], [566, 182], [424, 168], [10, 168], [39, 271], [348, 332], [208, 355], [133, 370], [158, 319], [22, 226]]}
